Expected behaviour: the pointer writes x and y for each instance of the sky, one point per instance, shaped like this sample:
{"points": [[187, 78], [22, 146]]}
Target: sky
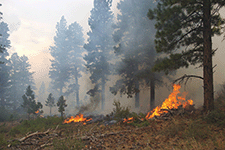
{"points": [[32, 27]]}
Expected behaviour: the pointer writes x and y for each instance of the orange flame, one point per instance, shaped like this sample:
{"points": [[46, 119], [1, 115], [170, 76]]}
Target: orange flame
{"points": [[172, 102], [36, 112], [128, 120], [77, 118]]}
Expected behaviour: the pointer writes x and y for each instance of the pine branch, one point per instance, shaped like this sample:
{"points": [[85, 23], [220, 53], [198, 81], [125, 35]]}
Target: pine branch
{"points": [[181, 79]]}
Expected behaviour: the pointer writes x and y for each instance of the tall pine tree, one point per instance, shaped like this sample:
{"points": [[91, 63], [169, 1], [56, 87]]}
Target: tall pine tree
{"points": [[188, 25], [1, 45], [4, 65], [67, 63], [75, 42], [134, 35], [50, 102], [59, 71], [20, 77], [99, 45]]}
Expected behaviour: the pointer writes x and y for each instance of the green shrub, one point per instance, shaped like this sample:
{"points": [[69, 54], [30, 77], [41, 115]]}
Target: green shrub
{"points": [[3, 141], [120, 112], [39, 124]]}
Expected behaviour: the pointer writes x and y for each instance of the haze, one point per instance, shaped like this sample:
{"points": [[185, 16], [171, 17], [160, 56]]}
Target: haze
{"points": [[32, 28]]}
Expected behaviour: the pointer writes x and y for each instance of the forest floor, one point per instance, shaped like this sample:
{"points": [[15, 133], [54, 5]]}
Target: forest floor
{"points": [[190, 132]]}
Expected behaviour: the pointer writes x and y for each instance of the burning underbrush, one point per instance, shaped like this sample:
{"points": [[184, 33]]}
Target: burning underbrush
{"points": [[172, 106], [77, 118]]}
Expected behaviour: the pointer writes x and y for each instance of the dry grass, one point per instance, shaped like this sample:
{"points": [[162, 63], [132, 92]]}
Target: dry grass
{"points": [[181, 132]]}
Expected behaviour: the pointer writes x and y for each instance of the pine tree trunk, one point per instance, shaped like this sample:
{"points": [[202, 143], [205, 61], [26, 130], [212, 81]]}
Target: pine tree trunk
{"points": [[103, 93], [62, 114], [207, 62], [137, 104], [77, 91], [152, 94], [50, 111]]}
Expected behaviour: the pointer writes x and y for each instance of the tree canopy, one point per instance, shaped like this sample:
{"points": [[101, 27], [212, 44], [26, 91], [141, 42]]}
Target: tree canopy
{"points": [[61, 105], [50, 102], [67, 63], [184, 32], [134, 36], [99, 45], [29, 102], [21, 78]]}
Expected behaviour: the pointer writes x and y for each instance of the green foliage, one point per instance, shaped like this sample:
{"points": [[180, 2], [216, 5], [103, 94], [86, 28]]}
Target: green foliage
{"points": [[120, 112], [3, 141], [4, 66], [39, 124], [179, 25], [29, 102], [134, 40], [50, 102], [67, 53], [2, 48], [61, 105], [68, 143], [99, 45], [21, 77]]}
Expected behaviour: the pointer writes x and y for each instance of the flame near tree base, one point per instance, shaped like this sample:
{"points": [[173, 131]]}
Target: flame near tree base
{"points": [[172, 102]]}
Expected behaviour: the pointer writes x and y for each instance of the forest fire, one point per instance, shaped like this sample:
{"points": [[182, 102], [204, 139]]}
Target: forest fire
{"points": [[77, 118], [172, 102]]}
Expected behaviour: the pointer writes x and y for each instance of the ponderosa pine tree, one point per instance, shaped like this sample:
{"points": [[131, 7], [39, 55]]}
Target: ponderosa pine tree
{"points": [[62, 105], [21, 78], [184, 32], [1, 46], [99, 45], [4, 65], [134, 35], [59, 71], [50, 102], [67, 63], [75, 42], [29, 103]]}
